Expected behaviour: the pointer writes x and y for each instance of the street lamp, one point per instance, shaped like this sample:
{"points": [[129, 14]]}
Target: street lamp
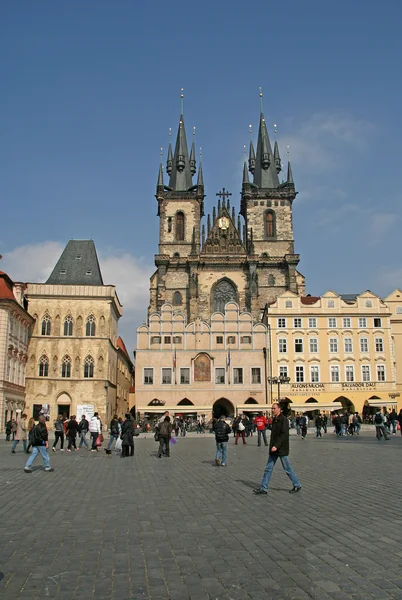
{"points": [[277, 381]]}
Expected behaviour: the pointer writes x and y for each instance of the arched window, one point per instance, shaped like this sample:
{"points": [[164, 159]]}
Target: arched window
{"points": [[179, 226], [43, 366], [45, 325], [270, 224], [90, 326], [66, 366], [271, 280], [177, 299], [89, 367], [68, 325], [223, 292]]}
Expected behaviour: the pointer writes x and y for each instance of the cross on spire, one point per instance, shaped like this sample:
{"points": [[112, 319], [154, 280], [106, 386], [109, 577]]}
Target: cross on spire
{"points": [[223, 194]]}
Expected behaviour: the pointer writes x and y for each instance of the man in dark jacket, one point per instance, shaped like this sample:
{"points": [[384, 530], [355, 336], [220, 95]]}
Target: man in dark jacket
{"points": [[221, 430], [278, 448], [39, 445]]}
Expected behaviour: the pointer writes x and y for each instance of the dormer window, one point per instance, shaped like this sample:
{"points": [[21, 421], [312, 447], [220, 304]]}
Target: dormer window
{"points": [[88, 273], [62, 271], [78, 257]]}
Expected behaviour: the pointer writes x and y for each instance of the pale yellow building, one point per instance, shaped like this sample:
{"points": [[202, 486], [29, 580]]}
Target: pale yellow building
{"points": [[333, 349], [15, 331], [73, 354]]}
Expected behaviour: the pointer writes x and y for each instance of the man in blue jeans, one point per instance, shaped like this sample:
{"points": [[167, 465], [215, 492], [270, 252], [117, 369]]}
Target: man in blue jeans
{"points": [[278, 448], [39, 445], [221, 430]]}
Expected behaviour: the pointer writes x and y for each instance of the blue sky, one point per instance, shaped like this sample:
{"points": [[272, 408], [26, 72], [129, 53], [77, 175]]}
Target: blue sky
{"points": [[89, 90]]}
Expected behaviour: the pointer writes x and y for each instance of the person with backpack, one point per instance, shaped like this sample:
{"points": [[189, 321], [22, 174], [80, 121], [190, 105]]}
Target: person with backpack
{"points": [[8, 430], [72, 430], [114, 431], [39, 445], [379, 422], [221, 430], [165, 432], [303, 426]]}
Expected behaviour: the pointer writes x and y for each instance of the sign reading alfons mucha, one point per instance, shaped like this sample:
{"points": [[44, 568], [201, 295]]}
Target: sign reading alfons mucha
{"points": [[202, 368]]}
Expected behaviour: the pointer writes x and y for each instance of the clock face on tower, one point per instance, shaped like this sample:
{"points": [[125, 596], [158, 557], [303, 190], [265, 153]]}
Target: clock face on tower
{"points": [[223, 223]]}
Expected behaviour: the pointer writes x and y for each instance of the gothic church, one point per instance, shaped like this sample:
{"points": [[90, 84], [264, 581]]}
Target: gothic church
{"points": [[249, 260]]}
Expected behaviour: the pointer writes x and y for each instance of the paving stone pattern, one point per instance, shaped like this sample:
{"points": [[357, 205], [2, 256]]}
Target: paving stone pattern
{"points": [[181, 528]]}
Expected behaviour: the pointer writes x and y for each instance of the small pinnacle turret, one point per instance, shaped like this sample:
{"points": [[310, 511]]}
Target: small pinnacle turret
{"points": [[169, 162], [200, 178], [251, 158], [192, 160], [160, 176], [277, 158], [290, 174], [245, 174]]}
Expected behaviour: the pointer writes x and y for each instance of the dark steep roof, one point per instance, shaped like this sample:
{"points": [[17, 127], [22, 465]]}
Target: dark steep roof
{"points": [[78, 265]]}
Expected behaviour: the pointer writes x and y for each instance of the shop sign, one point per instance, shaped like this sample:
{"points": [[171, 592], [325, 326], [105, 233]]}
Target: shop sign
{"points": [[364, 385], [307, 386]]}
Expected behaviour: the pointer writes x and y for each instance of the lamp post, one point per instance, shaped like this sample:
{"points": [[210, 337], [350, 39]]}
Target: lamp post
{"points": [[277, 381]]}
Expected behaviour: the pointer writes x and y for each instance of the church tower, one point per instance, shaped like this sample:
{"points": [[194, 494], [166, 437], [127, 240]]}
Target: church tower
{"points": [[266, 205], [180, 209]]}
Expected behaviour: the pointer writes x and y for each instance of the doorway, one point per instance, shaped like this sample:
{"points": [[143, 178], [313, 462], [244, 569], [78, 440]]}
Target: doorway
{"points": [[64, 410]]}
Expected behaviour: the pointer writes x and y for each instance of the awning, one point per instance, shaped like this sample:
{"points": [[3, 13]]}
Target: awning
{"points": [[378, 403], [183, 408], [307, 406]]}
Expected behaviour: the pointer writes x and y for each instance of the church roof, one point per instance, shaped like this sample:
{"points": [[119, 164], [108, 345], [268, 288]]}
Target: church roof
{"points": [[78, 265]]}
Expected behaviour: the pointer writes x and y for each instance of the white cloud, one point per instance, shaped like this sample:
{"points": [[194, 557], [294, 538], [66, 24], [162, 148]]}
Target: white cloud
{"points": [[322, 141], [130, 275], [33, 262]]}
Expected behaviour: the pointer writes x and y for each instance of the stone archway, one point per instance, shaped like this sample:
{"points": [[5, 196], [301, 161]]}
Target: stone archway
{"points": [[346, 403], [223, 406]]}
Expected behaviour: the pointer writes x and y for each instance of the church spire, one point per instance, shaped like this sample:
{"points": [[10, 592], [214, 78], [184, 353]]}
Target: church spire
{"points": [[182, 172], [265, 174]]}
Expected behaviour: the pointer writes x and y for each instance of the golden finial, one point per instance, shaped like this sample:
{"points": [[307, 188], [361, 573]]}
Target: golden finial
{"points": [[250, 128], [261, 99], [194, 130], [288, 151], [170, 132], [275, 130], [245, 153]]}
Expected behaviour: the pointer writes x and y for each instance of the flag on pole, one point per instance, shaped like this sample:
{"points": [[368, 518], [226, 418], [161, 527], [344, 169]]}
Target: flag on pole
{"points": [[228, 360]]}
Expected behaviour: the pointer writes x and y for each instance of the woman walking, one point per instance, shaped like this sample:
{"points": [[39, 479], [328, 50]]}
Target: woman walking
{"points": [[127, 437], [21, 433], [165, 432]]}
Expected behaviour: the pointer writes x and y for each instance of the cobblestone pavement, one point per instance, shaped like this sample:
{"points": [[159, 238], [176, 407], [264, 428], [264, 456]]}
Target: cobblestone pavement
{"points": [[181, 528]]}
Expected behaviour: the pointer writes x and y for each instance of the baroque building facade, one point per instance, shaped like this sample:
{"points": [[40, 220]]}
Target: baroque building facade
{"points": [[228, 312], [15, 331], [75, 359]]}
